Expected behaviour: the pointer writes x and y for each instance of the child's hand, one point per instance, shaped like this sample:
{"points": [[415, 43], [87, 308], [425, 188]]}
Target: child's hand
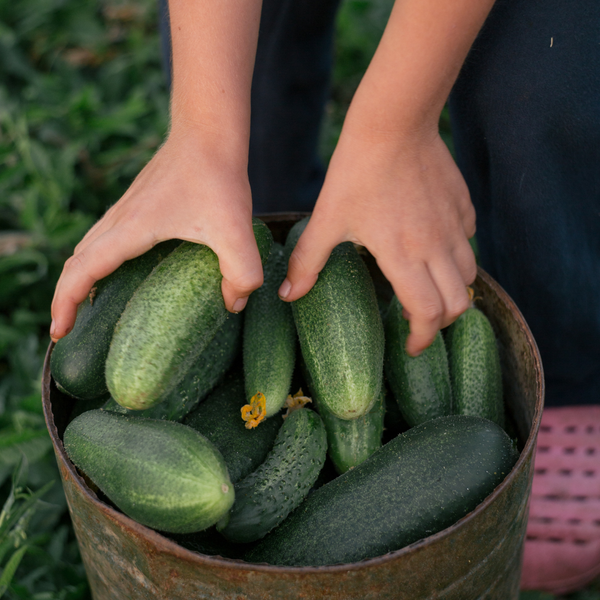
{"points": [[406, 201], [193, 189], [392, 185]]}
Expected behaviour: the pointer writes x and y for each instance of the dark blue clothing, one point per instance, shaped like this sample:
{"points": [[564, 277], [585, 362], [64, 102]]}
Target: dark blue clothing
{"points": [[526, 127]]}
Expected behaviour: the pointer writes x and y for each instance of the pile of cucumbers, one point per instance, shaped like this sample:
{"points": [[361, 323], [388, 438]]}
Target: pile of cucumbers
{"points": [[190, 420]]}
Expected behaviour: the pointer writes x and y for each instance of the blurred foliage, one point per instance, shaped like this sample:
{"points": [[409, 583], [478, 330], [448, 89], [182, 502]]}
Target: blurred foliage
{"points": [[83, 106]]}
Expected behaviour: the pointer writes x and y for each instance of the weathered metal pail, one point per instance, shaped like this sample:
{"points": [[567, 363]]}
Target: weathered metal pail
{"points": [[478, 557]]}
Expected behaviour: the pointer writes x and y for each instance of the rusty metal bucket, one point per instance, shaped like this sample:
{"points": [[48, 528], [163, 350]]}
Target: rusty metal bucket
{"points": [[478, 557]]}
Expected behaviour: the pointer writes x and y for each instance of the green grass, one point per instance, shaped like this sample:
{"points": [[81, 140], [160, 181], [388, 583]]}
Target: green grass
{"points": [[83, 106]]}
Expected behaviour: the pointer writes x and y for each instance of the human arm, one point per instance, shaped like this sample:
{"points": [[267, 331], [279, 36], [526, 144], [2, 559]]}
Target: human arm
{"points": [[196, 186], [392, 185]]}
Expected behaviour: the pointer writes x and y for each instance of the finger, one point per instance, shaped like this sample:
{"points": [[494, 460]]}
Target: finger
{"points": [[308, 259], [240, 264], [464, 259], [452, 289], [83, 269], [420, 300]]}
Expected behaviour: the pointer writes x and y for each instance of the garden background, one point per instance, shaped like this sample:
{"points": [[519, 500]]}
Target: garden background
{"points": [[83, 106]]}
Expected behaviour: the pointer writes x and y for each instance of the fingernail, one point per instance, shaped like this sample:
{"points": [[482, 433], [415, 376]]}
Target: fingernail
{"points": [[239, 304], [284, 290], [52, 328]]}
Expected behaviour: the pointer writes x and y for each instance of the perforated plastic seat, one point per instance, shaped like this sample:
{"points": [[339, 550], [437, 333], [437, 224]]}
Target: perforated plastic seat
{"points": [[562, 546]]}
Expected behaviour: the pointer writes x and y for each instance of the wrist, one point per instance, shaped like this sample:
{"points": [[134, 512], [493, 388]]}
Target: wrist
{"points": [[220, 145]]}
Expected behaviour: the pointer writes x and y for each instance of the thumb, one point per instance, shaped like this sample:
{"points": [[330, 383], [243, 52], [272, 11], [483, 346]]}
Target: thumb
{"points": [[308, 259], [240, 264]]}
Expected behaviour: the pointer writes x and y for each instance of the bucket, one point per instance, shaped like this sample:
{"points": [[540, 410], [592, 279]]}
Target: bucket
{"points": [[477, 557]]}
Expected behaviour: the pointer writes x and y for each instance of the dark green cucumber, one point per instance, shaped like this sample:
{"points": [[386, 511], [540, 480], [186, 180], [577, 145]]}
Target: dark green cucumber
{"points": [[340, 332], [266, 497], [475, 367], [205, 373], [78, 360], [269, 337], [350, 443], [219, 419], [162, 474], [420, 384], [167, 324], [416, 485]]}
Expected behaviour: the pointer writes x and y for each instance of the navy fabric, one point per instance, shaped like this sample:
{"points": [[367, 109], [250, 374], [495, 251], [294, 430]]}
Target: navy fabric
{"points": [[526, 126], [290, 88]]}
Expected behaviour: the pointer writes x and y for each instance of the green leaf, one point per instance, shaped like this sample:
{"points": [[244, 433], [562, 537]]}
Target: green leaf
{"points": [[10, 569]]}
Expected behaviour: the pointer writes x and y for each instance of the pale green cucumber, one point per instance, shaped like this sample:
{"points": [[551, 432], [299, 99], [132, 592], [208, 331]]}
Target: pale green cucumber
{"points": [[162, 474], [340, 332], [78, 360], [420, 384], [351, 442], [475, 367], [168, 323], [203, 376], [266, 497], [269, 337]]}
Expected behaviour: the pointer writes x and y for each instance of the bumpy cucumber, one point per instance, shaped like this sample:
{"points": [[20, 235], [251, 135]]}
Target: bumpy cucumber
{"points": [[78, 360], [340, 332], [266, 497], [416, 485], [162, 474], [218, 418], [269, 337], [168, 323], [420, 384], [475, 367], [350, 443], [204, 374]]}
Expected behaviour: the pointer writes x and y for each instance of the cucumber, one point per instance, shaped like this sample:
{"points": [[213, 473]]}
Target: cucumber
{"points": [[266, 497], [340, 332], [420, 384], [218, 418], [475, 367], [416, 485], [168, 323], [350, 443], [77, 362], [269, 338], [209, 369], [162, 474]]}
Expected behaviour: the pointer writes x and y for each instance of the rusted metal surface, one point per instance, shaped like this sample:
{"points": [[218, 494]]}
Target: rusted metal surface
{"points": [[478, 557]]}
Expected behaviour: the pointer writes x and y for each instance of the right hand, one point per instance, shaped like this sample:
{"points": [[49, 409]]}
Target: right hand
{"points": [[194, 188]]}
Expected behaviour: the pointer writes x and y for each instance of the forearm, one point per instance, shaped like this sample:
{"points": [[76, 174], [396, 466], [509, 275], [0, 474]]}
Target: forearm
{"points": [[418, 59], [214, 45]]}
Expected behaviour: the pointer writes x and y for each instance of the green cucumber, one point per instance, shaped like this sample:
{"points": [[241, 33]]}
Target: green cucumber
{"points": [[167, 324], [205, 373], [162, 474], [269, 338], [475, 367], [77, 362], [420, 384], [350, 443], [416, 485], [340, 332], [219, 419], [266, 497]]}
